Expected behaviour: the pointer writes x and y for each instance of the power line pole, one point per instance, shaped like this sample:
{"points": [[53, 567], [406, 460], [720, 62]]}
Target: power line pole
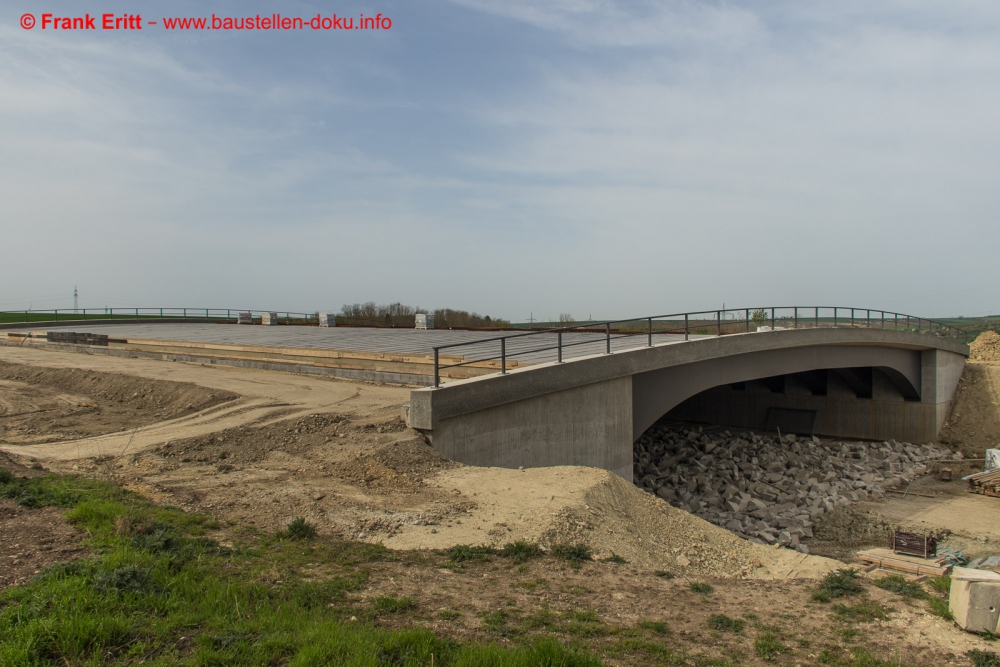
{"points": [[75, 302]]}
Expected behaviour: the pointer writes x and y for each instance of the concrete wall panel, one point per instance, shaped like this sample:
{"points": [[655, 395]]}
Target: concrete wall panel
{"points": [[587, 426]]}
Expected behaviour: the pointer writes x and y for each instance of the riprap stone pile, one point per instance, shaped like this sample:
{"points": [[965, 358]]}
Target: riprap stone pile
{"points": [[765, 488]]}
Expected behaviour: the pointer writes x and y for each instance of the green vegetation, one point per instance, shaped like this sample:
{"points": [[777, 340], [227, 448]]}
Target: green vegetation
{"points": [[940, 608], [300, 529], [699, 587], [463, 553], [767, 647], [724, 623], [663, 574], [984, 658], [940, 584], [158, 591], [520, 551], [659, 627], [858, 657], [897, 583], [574, 553], [838, 584]]}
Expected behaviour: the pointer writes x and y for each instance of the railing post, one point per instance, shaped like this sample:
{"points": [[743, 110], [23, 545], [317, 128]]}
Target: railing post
{"points": [[718, 323], [852, 317], [437, 377], [185, 313], [687, 333], [834, 316], [772, 319], [559, 347], [607, 336], [649, 333], [816, 314], [161, 313], [868, 319], [136, 314], [883, 319], [747, 314], [503, 356], [227, 314], [55, 315], [796, 317]]}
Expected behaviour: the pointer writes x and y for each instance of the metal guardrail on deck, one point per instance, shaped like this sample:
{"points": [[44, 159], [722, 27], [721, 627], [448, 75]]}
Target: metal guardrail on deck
{"points": [[144, 314], [584, 338]]}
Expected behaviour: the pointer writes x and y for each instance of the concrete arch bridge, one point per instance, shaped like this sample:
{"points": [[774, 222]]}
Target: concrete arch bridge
{"points": [[850, 381]]}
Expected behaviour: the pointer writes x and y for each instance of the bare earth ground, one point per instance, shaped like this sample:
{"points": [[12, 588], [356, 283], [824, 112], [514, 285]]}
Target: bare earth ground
{"points": [[258, 448]]}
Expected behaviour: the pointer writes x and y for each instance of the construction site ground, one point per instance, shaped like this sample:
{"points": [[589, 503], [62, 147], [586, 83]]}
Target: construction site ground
{"points": [[256, 449]]}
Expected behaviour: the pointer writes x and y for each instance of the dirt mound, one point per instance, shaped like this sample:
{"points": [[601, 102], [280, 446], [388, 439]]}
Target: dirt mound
{"points": [[39, 404], [397, 468], [575, 505], [974, 422], [986, 347]]}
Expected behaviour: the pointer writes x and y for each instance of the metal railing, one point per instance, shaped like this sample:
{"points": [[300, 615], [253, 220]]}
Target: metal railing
{"points": [[597, 337], [147, 314]]}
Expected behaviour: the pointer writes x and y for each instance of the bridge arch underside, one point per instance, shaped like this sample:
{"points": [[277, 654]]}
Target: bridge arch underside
{"points": [[835, 390]]}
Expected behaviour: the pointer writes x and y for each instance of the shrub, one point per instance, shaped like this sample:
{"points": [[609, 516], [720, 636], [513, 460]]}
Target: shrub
{"points": [[699, 587], [520, 551], [614, 558], [838, 584], [6, 477], [575, 553], [663, 574], [464, 552], [984, 658], [300, 529], [724, 623], [897, 583]]}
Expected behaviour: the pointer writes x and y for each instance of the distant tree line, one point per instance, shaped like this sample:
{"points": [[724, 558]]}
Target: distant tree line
{"points": [[400, 315]]}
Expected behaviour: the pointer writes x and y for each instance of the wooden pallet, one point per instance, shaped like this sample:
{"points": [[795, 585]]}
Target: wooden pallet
{"points": [[887, 560]]}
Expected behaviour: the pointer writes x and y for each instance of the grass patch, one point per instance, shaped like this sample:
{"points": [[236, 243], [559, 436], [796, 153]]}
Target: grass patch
{"points": [[984, 658], [158, 591], [574, 553], [699, 587], [449, 614], [520, 551], [531, 584], [900, 585], [663, 574], [767, 647], [940, 608], [387, 604], [463, 553], [659, 627], [940, 585], [838, 584], [862, 612], [724, 623]]}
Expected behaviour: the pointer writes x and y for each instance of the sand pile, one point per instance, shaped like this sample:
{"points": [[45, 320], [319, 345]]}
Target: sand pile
{"points": [[576, 505], [986, 347]]}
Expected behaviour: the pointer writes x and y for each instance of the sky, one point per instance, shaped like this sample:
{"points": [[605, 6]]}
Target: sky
{"points": [[519, 158]]}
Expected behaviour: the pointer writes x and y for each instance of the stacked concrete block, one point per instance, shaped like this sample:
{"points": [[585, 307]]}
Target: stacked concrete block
{"points": [[327, 320], [424, 321], [765, 488], [269, 319]]}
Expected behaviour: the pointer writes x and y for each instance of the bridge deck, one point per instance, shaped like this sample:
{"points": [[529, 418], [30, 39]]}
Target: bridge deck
{"points": [[400, 341]]}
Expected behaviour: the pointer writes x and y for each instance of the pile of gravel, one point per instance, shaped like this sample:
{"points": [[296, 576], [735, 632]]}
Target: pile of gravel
{"points": [[765, 488]]}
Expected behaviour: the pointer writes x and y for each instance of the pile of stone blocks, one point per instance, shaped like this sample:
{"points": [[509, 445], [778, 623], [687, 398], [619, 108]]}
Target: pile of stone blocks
{"points": [[766, 488]]}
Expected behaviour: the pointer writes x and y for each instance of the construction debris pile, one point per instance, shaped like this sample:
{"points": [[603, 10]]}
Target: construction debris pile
{"points": [[765, 488]]}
